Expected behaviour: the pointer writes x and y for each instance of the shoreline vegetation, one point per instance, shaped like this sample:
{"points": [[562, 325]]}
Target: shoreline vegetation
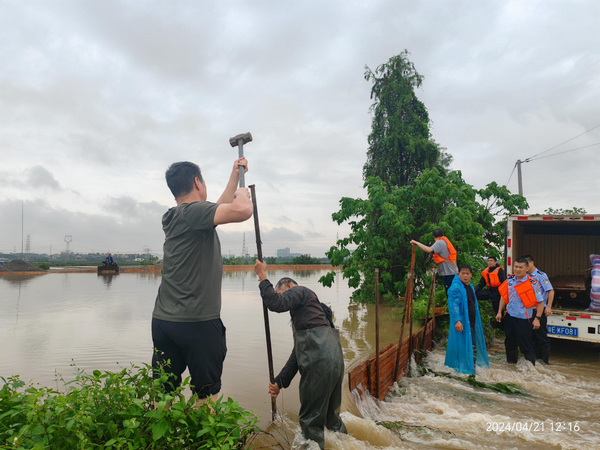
{"points": [[158, 267], [129, 409]]}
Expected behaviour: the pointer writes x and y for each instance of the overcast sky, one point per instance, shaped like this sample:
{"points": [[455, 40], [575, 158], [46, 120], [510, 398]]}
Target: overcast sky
{"points": [[98, 98]]}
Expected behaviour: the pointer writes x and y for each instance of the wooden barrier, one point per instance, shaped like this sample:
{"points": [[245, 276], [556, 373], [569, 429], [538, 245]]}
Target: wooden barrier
{"points": [[363, 375], [380, 371]]}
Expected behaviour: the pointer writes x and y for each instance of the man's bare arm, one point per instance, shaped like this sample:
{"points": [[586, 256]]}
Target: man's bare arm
{"points": [[548, 310], [423, 247], [234, 179], [239, 210]]}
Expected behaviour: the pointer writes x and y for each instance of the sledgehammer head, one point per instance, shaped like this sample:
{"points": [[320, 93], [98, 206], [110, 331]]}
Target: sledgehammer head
{"points": [[245, 137]]}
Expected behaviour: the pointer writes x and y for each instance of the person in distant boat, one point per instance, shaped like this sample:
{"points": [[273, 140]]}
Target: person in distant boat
{"points": [[109, 260], [317, 355], [186, 322], [444, 255], [465, 337]]}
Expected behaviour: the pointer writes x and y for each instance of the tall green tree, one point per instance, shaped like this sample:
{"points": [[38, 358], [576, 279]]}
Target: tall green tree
{"points": [[400, 144], [411, 192]]}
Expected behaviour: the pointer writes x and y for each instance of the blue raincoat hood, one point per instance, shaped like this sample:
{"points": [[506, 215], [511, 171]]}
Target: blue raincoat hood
{"points": [[459, 352]]}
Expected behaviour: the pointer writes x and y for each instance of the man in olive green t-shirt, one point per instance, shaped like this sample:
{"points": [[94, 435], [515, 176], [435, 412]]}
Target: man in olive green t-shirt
{"points": [[186, 324]]}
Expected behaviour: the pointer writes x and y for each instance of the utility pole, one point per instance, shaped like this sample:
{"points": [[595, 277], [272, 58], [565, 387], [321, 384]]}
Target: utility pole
{"points": [[244, 248], [147, 250], [519, 162], [22, 216], [68, 240], [28, 245]]}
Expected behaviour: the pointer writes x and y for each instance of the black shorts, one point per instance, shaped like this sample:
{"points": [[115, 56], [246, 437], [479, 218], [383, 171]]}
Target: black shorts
{"points": [[199, 346]]}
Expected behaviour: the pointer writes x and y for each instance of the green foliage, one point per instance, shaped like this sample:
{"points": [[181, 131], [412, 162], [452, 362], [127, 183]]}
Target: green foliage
{"points": [[400, 144], [151, 261], [503, 388], [42, 266], [121, 410], [305, 259], [383, 225], [240, 261], [575, 211]]}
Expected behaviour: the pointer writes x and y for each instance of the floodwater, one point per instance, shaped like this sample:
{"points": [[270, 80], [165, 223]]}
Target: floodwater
{"points": [[49, 321]]}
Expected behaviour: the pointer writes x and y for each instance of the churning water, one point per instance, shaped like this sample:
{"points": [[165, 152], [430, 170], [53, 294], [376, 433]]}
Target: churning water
{"points": [[49, 321]]}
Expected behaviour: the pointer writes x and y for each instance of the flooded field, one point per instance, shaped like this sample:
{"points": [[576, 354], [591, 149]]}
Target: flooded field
{"points": [[47, 322]]}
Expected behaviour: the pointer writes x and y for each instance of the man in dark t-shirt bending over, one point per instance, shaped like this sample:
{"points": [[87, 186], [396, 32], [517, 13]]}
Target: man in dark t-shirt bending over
{"points": [[186, 322]]}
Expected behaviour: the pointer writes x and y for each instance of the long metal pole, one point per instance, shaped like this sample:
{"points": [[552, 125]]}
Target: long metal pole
{"points": [[431, 295], [265, 310], [406, 314], [409, 299], [397, 368], [433, 287], [377, 334], [519, 176]]}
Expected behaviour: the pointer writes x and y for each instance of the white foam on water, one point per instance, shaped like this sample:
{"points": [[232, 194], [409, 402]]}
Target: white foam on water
{"points": [[441, 412], [431, 411]]}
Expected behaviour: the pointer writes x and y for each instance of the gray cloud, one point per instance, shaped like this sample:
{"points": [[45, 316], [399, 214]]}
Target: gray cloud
{"points": [[38, 177]]}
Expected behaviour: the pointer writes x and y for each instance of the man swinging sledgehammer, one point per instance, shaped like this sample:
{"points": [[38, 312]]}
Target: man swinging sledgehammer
{"points": [[317, 355]]}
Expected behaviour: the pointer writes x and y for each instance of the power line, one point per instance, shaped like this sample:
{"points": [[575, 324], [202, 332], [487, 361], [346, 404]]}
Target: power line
{"points": [[569, 140], [511, 174], [566, 151]]}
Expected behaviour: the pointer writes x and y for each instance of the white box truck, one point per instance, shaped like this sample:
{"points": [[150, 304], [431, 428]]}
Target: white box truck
{"points": [[561, 246]]}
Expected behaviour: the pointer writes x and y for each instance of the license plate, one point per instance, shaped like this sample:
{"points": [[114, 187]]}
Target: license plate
{"points": [[563, 331]]}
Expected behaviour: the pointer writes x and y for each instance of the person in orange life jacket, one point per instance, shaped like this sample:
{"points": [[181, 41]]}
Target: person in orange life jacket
{"points": [[524, 307], [541, 341], [444, 256], [491, 279]]}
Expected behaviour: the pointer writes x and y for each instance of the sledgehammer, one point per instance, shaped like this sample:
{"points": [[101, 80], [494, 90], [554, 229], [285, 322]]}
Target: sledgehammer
{"points": [[240, 140]]}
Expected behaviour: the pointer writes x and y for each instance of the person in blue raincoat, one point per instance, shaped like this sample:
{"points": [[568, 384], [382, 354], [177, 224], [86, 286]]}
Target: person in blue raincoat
{"points": [[466, 330]]}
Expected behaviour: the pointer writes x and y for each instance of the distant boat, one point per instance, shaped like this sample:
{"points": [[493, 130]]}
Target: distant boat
{"points": [[110, 269]]}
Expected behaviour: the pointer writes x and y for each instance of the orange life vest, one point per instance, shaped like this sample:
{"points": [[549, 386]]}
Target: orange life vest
{"points": [[492, 279], [452, 257], [524, 290]]}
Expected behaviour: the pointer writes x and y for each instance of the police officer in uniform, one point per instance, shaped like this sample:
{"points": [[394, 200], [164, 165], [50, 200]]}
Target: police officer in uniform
{"points": [[541, 341], [524, 307]]}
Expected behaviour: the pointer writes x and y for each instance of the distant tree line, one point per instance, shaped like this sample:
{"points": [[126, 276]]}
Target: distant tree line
{"points": [[273, 260]]}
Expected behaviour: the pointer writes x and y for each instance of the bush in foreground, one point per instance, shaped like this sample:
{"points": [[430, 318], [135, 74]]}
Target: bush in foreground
{"points": [[121, 410]]}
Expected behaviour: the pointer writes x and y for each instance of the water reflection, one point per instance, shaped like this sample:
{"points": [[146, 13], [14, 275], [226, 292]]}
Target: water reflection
{"points": [[107, 278], [18, 280]]}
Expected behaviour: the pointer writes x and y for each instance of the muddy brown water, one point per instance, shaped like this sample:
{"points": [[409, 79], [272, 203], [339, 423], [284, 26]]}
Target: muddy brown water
{"points": [[46, 321]]}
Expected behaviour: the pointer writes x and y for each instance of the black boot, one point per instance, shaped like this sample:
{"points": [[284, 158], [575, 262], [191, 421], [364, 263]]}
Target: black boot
{"points": [[545, 355], [530, 357], [512, 356]]}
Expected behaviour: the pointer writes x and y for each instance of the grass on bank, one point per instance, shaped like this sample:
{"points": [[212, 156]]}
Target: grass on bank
{"points": [[118, 410]]}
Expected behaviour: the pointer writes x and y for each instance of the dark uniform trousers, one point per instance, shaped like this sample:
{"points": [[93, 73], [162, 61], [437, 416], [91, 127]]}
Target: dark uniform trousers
{"points": [[321, 366], [494, 297], [541, 341], [518, 336]]}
